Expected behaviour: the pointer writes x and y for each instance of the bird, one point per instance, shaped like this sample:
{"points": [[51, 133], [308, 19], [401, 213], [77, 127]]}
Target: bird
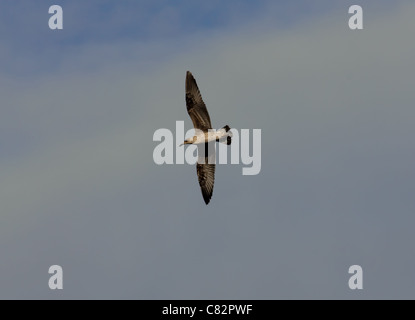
{"points": [[205, 137]]}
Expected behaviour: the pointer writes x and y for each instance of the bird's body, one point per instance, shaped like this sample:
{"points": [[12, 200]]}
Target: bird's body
{"points": [[204, 137], [210, 136]]}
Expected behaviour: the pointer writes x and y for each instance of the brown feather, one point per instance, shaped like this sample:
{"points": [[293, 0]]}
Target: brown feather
{"points": [[196, 108]]}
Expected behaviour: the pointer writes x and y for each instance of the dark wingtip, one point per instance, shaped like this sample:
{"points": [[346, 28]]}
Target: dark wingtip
{"points": [[189, 81], [206, 197]]}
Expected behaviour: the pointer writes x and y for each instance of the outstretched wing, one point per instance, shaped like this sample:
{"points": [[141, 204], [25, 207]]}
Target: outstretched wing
{"points": [[196, 108], [206, 176], [205, 168]]}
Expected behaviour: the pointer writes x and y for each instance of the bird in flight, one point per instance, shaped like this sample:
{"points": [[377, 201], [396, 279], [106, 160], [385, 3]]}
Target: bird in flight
{"points": [[205, 137]]}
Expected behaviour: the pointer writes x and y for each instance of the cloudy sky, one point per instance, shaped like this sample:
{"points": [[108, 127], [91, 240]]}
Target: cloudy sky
{"points": [[79, 187]]}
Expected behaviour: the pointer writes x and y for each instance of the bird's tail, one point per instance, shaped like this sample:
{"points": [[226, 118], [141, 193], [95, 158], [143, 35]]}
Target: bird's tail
{"points": [[227, 136]]}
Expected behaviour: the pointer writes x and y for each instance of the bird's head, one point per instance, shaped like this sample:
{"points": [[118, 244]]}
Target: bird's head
{"points": [[187, 141]]}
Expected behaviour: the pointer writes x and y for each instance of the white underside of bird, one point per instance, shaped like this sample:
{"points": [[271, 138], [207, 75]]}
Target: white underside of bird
{"points": [[215, 135]]}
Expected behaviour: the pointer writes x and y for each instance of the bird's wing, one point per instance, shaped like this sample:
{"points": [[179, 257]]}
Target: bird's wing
{"points": [[196, 108], [206, 176], [205, 168]]}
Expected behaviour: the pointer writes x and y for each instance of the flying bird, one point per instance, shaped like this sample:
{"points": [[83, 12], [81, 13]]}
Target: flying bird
{"points": [[203, 138]]}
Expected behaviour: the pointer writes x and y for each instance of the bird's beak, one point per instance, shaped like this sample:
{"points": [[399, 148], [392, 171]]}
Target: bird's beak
{"points": [[182, 144]]}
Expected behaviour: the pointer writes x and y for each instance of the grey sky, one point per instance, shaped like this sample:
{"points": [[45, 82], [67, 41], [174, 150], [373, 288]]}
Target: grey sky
{"points": [[79, 188]]}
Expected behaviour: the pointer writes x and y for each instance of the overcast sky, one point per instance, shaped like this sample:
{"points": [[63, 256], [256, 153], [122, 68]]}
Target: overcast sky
{"points": [[79, 187]]}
